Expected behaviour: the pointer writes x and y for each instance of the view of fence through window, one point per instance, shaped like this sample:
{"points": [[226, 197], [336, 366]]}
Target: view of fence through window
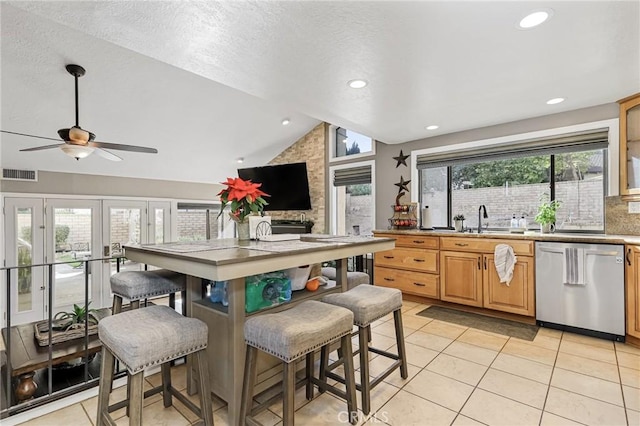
{"points": [[354, 209], [516, 187]]}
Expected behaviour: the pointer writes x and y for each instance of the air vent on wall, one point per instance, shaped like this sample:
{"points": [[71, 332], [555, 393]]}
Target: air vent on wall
{"points": [[15, 174]]}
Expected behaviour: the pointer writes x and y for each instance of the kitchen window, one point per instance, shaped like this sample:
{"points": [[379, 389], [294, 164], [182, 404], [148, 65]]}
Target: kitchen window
{"points": [[512, 181], [348, 145], [352, 199]]}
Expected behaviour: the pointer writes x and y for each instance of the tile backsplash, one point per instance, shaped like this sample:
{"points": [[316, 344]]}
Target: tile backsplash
{"points": [[618, 220]]}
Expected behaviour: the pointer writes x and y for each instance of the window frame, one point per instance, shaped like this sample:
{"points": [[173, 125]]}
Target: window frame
{"points": [[611, 177], [346, 158]]}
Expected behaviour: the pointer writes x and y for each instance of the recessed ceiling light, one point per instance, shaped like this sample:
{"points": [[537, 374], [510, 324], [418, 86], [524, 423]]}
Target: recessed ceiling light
{"points": [[535, 18], [555, 101], [357, 84], [432, 127], [286, 121], [240, 160]]}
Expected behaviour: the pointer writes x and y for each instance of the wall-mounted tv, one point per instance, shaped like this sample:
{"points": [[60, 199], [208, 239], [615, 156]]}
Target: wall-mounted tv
{"points": [[287, 184]]}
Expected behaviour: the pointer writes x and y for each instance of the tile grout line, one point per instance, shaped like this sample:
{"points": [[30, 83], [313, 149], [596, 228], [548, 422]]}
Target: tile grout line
{"points": [[624, 401]]}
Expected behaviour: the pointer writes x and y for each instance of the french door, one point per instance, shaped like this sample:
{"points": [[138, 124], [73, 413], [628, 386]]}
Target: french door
{"points": [[73, 237], [24, 243]]}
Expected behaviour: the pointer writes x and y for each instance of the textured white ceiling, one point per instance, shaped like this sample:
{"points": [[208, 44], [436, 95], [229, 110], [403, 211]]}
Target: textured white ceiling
{"points": [[460, 65]]}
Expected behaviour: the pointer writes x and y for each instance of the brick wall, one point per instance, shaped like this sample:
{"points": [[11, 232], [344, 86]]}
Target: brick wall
{"points": [[311, 149], [581, 204]]}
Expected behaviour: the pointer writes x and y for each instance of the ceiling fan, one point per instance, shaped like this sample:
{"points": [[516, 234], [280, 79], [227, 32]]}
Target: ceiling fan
{"points": [[79, 143]]}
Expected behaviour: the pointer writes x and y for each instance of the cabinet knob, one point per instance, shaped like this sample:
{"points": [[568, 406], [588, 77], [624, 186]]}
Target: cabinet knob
{"points": [[462, 244], [420, 284], [418, 260], [388, 279], [388, 257], [418, 241]]}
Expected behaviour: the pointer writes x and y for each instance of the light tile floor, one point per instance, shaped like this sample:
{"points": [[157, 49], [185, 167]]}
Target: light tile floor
{"points": [[457, 376]]}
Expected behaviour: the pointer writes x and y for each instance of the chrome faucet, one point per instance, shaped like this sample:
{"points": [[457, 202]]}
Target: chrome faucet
{"points": [[486, 216]]}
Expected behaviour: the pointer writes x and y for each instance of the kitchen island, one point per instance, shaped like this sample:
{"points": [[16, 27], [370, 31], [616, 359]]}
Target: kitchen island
{"points": [[232, 261]]}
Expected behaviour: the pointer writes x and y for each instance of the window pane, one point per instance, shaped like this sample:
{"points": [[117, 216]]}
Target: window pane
{"points": [[192, 224], [433, 194], [505, 187], [159, 221], [354, 209], [349, 142], [580, 188]]}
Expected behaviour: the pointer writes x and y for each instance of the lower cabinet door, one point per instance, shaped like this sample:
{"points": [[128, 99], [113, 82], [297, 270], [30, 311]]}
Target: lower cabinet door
{"points": [[518, 296], [417, 283], [461, 277]]}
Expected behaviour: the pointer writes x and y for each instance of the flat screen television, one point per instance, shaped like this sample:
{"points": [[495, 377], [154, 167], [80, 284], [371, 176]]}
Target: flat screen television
{"points": [[287, 184]]}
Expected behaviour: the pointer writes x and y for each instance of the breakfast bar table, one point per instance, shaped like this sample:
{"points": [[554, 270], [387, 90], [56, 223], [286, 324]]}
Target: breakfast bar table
{"points": [[232, 260]]}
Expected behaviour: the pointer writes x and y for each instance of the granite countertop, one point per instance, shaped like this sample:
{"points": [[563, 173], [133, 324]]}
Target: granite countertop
{"points": [[530, 235]]}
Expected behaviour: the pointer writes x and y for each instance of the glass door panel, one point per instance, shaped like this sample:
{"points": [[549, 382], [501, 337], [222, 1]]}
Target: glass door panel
{"points": [[73, 238], [24, 246]]}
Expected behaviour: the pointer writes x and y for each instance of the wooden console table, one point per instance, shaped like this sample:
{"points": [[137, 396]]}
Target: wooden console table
{"points": [[229, 260], [27, 356]]}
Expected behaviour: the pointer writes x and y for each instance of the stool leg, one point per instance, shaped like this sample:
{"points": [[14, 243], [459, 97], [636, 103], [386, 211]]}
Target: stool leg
{"points": [[289, 391], [250, 363], [324, 363], [183, 300], [365, 384], [116, 308], [135, 399], [309, 371], [402, 353], [165, 369], [205, 391], [349, 379], [106, 379]]}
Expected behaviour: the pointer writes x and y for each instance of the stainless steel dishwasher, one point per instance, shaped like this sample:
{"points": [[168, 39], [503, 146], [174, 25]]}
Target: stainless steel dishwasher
{"points": [[580, 288]]}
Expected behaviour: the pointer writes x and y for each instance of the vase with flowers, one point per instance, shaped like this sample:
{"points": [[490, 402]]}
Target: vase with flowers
{"points": [[245, 198]]}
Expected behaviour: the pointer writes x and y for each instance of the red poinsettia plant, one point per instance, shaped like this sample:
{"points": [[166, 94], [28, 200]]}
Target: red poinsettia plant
{"points": [[245, 198]]}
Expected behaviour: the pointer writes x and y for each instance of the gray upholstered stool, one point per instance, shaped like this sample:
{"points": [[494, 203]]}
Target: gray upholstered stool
{"points": [[369, 303], [354, 278], [146, 337], [290, 335], [141, 285]]}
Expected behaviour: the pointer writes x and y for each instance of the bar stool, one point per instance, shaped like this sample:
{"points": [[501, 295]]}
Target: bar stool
{"points": [[369, 303], [354, 278], [142, 338], [139, 285], [289, 335]]}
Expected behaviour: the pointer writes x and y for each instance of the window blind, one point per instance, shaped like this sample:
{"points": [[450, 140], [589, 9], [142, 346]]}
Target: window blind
{"points": [[198, 206], [352, 176], [569, 142]]}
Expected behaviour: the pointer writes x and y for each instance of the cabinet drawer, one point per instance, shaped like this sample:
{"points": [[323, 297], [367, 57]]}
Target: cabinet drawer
{"points": [[484, 245], [418, 283], [408, 258], [417, 241]]}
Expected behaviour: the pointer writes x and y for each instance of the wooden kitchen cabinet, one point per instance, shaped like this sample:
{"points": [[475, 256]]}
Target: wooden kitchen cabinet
{"points": [[461, 278], [412, 267], [633, 290], [518, 296], [468, 275], [630, 147]]}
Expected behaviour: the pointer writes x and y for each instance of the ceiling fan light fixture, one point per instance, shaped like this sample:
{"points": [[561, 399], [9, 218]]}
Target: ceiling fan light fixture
{"points": [[76, 134], [76, 151]]}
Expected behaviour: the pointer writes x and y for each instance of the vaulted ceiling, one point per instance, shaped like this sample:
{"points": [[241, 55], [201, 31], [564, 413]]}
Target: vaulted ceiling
{"points": [[208, 82]]}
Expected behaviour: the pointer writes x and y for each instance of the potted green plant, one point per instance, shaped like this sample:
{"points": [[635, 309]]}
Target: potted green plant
{"points": [[458, 222], [546, 216], [74, 319]]}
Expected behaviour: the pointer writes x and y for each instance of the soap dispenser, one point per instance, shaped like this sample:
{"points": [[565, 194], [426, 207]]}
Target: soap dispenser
{"points": [[514, 222], [522, 223]]}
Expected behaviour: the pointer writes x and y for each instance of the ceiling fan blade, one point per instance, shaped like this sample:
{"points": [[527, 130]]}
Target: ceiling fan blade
{"points": [[108, 155], [39, 148], [131, 148], [29, 136]]}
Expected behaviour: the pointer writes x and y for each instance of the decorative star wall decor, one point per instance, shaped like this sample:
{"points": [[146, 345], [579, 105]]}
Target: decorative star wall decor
{"points": [[402, 185], [401, 159]]}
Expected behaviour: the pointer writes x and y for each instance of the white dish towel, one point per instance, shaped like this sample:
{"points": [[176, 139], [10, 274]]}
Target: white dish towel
{"points": [[505, 260]]}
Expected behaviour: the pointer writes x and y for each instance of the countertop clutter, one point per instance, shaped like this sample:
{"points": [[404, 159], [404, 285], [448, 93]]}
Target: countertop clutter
{"points": [[529, 235]]}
